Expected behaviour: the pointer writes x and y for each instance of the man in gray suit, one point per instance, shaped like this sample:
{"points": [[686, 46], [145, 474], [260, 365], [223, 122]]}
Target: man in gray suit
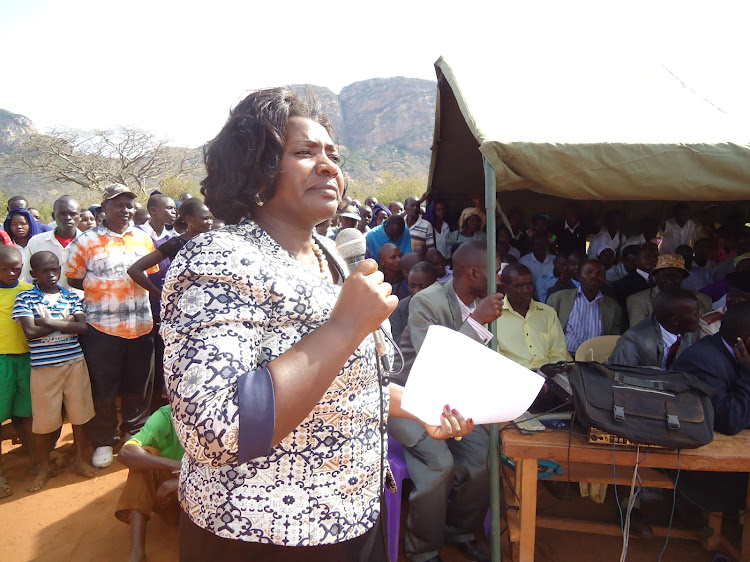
{"points": [[451, 478], [585, 313], [662, 337], [669, 272]]}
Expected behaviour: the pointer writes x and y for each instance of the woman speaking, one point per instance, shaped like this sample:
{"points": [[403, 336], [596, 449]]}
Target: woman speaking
{"points": [[271, 371]]}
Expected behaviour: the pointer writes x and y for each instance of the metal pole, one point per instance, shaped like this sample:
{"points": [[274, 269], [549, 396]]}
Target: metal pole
{"points": [[490, 196]]}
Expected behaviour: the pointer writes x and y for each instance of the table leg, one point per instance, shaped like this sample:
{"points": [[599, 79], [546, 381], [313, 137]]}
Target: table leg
{"points": [[526, 482], [745, 546]]}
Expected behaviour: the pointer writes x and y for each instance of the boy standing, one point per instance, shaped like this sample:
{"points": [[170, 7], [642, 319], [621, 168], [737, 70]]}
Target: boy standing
{"points": [[51, 316], [15, 368]]}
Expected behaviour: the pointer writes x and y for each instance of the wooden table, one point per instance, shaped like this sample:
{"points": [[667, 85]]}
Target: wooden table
{"points": [[593, 463]]}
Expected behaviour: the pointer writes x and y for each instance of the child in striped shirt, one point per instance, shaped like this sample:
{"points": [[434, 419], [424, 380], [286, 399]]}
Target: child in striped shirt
{"points": [[51, 317]]}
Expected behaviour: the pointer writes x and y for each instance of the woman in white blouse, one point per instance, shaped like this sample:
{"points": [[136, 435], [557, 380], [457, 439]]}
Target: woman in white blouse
{"points": [[269, 363]]}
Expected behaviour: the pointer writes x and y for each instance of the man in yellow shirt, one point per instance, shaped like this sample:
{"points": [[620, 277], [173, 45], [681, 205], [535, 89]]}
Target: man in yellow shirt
{"points": [[528, 332], [15, 361]]}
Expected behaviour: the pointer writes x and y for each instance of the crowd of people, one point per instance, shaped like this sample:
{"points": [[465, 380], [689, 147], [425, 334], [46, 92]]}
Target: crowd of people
{"points": [[161, 333], [79, 333], [559, 284]]}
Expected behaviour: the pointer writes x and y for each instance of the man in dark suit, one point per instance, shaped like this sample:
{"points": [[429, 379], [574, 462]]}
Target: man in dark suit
{"points": [[451, 479], [585, 312], [639, 279], [722, 360], [662, 337]]}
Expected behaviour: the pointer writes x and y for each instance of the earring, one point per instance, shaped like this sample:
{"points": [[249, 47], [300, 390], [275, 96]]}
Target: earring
{"points": [[258, 200]]}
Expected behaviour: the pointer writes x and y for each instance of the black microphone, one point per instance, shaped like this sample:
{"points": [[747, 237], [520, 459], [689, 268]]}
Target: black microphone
{"points": [[352, 247]]}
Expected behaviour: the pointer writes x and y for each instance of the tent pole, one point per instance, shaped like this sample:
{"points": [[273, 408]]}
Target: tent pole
{"points": [[490, 198]]}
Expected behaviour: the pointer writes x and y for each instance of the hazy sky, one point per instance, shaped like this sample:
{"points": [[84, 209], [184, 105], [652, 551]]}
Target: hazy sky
{"points": [[175, 68]]}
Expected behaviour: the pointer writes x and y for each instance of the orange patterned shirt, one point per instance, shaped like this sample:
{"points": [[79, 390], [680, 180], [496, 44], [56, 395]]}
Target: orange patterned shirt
{"points": [[114, 303]]}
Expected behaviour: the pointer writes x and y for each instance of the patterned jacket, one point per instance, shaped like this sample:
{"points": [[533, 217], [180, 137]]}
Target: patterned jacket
{"points": [[233, 301]]}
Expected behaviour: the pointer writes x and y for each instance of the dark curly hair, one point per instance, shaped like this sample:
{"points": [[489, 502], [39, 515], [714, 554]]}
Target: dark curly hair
{"points": [[243, 160], [188, 208]]}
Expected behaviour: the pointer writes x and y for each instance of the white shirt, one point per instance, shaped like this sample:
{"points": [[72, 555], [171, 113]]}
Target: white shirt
{"points": [[675, 235], [643, 274], [165, 233], [604, 240], [669, 339], [639, 240], [46, 241], [441, 240], [538, 268]]}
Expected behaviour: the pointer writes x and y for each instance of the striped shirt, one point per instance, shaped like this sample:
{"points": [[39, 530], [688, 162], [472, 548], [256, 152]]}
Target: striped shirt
{"points": [[57, 347], [585, 320], [466, 311], [421, 234]]}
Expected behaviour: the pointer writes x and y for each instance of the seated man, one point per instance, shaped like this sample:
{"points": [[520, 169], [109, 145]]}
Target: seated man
{"points": [[639, 278], [421, 276], [701, 268], [538, 261], [610, 236], [739, 291], [504, 247], [571, 233], [722, 360], [154, 456], [669, 272], [392, 231], [627, 264], [585, 313], [571, 280], [678, 230], [528, 332], [659, 339], [407, 261], [649, 233], [559, 274], [444, 273], [451, 478], [608, 258], [389, 259]]}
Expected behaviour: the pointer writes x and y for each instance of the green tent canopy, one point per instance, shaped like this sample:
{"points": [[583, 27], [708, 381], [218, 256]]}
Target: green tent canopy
{"points": [[582, 130]]}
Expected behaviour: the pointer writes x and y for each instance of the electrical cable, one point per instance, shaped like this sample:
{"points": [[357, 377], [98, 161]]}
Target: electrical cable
{"points": [[629, 510], [674, 501]]}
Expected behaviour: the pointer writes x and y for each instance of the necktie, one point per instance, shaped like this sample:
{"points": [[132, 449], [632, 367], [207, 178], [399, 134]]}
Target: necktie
{"points": [[672, 353]]}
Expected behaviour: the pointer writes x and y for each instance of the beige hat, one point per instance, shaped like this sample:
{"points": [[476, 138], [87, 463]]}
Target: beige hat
{"points": [[741, 257], [351, 212], [671, 261], [115, 190]]}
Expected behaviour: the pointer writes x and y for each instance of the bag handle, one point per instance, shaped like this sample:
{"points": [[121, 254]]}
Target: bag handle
{"points": [[687, 381]]}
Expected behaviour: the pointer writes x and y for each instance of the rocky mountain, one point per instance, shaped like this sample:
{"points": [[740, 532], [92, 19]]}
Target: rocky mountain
{"points": [[384, 125], [13, 126]]}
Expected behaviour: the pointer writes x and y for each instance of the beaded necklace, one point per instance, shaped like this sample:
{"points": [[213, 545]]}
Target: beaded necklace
{"points": [[325, 272]]}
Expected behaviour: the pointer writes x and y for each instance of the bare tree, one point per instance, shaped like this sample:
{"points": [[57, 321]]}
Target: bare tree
{"points": [[95, 159]]}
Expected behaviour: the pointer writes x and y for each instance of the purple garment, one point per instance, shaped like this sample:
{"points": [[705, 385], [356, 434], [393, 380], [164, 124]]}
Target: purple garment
{"points": [[716, 290], [34, 227]]}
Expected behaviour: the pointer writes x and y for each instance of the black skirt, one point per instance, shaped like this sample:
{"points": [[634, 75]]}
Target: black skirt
{"points": [[199, 545]]}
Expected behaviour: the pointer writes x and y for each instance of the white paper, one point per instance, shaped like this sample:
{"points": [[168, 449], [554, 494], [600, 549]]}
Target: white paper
{"points": [[482, 384]]}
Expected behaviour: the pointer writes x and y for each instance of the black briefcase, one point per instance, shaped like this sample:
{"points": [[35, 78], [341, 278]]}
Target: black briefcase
{"points": [[644, 405]]}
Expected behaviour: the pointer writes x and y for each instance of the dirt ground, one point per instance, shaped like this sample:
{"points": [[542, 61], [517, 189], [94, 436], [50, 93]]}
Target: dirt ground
{"points": [[72, 519]]}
